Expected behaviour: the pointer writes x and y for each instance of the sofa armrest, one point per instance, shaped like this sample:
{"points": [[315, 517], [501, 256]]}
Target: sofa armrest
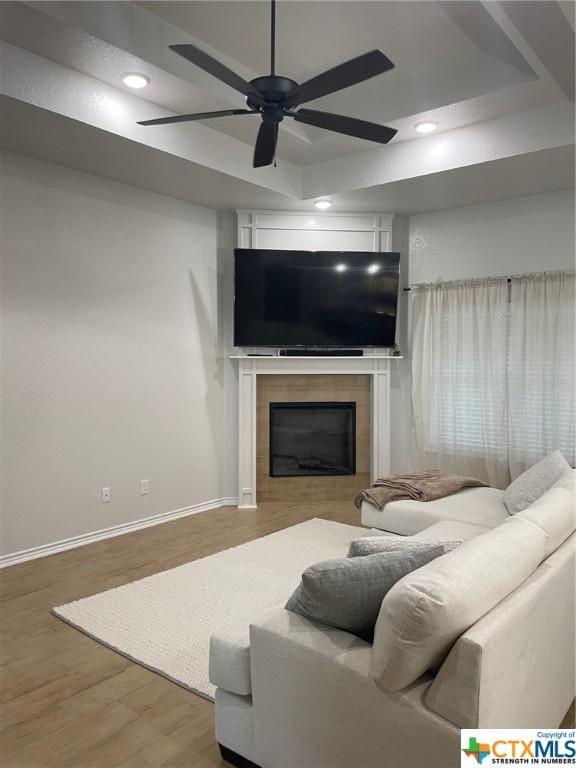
{"points": [[315, 704], [229, 660], [303, 634], [515, 667]]}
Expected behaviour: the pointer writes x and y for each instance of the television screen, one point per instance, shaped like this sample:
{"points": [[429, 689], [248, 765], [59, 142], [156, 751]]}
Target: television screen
{"points": [[315, 298]]}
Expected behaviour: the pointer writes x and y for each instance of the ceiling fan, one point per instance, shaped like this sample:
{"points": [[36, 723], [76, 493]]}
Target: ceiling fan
{"points": [[274, 97]]}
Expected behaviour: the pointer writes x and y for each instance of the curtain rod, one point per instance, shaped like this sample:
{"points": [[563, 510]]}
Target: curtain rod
{"points": [[508, 279], [418, 285]]}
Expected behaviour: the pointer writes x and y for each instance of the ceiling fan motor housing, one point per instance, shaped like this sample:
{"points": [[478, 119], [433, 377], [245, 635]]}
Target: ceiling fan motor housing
{"points": [[273, 89]]}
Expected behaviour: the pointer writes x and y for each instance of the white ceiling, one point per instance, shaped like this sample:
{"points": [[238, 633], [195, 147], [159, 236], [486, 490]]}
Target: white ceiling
{"points": [[313, 36], [494, 75]]}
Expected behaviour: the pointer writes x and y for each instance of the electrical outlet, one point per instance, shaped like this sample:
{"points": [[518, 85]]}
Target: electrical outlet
{"points": [[144, 487], [106, 494]]}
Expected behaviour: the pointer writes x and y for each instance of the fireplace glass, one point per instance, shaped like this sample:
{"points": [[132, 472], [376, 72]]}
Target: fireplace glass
{"points": [[312, 439]]}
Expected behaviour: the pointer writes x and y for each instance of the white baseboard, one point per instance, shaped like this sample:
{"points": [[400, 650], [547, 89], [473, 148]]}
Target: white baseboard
{"points": [[108, 533]]}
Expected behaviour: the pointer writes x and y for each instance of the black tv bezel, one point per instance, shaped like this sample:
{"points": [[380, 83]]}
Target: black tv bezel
{"points": [[315, 346]]}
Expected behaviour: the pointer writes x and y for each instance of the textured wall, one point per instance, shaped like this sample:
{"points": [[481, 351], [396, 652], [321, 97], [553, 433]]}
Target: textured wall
{"points": [[526, 234], [111, 363]]}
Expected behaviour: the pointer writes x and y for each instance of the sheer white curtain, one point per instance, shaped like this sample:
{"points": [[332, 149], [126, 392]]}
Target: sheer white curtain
{"points": [[459, 387], [494, 374], [541, 370]]}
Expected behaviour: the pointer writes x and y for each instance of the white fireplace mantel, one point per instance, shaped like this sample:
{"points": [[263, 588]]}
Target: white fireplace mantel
{"points": [[250, 366]]}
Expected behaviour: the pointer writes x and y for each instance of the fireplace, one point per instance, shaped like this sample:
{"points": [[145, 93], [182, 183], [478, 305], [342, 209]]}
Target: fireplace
{"points": [[312, 439], [263, 381]]}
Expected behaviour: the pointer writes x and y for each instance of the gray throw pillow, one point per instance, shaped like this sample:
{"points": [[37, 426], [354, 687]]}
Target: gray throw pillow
{"points": [[347, 593], [530, 485], [372, 545]]}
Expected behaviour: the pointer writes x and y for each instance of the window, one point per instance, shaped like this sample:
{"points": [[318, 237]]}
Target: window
{"points": [[493, 373]]}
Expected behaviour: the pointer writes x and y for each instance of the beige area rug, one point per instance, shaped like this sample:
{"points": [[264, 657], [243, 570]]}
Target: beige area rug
{"points": [[165, 621]]}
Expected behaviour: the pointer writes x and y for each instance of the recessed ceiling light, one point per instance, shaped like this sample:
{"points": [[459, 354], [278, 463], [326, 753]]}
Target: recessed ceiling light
{"points": [[134, 80], [323, 204], [426, 127], [341, 267]]}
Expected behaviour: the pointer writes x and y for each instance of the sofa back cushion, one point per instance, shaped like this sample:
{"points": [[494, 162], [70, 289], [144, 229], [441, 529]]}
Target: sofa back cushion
{"points": [[567, 480], [554, 512], [530, 485], [425, 612]]}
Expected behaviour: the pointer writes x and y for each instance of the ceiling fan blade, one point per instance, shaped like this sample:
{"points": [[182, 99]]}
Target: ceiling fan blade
{"points": [[266, 141], [197, 116], [343, 76], [350, 126], [215, 68]]}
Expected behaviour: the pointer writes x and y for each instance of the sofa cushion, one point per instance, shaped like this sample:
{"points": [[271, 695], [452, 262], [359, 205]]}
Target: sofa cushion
{"points": [[450, 530], [229, 665], [229, 661], [347, 593], [425, 612], [555, 513], [567, 480], [372, 545], [530, 485], [477, 506]]}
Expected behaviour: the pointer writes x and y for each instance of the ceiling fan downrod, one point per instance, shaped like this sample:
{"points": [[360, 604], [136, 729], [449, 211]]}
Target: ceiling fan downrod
{"points": [[273, 37]]}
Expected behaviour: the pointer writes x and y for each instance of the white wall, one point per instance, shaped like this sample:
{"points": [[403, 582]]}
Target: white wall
{"points": [[227, 236], [526, 234], [112, 353]]}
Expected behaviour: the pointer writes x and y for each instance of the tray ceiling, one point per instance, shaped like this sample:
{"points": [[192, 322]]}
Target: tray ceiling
{"points": [[487, 73]]}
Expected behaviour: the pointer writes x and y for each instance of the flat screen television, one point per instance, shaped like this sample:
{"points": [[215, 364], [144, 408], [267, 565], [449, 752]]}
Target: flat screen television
{"points": [[315, 298]]}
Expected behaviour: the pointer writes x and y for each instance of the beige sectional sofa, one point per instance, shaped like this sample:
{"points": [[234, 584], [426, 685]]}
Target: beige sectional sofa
{"points": [[482, 637]]}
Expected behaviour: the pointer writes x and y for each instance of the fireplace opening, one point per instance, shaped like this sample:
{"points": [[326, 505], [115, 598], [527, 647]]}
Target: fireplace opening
{"points": [[312, 439]]}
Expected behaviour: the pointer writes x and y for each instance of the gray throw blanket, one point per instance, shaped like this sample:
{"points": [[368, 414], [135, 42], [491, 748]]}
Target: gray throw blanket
{"points": [[421, 486]]}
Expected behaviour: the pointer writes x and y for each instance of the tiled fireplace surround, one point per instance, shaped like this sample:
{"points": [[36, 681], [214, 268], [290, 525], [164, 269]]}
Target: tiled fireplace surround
{"points": [[262, 380], [312, 388]]}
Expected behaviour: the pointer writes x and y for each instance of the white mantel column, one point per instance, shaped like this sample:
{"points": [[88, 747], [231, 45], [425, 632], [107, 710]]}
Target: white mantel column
{"points": [[247, 434], [380, 420]]}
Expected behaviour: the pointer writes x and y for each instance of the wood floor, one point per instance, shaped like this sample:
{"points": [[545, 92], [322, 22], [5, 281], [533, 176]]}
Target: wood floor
{"points": [[68, 702]]}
